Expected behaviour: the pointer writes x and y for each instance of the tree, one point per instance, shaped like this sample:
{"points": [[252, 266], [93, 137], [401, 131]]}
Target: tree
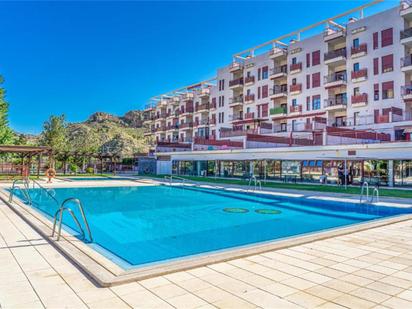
{"points": [[6, 134], [54, 133]]}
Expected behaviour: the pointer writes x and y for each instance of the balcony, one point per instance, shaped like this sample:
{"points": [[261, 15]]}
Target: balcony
{"points": [[204, 107], [204, 93], [382, 119], [172, 127], [278, 52], [336, 103], [249, 98], [278, 112], [161, 116], [295, 68], [406, 37], [295, 89], [337, 56], [213, 105], [406, 10], [406, 64], [335, 80], [202, 122], [278, 91], [212, 121], [359, 51], [183, 111], [332, 34], [235, 66], [186, 126], [161, 129], [235, 83], [279, 72], [249, 80], [359, 100], [297, 109], [249, 115], [406, 92], [235, 117], [236, 101], [359, 76]]}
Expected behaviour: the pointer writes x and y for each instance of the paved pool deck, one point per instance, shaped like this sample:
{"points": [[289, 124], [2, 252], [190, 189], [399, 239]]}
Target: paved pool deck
{"points": [[366, 269]]}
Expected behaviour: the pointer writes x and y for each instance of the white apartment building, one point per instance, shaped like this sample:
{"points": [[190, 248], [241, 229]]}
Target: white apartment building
{"points": [[345, 88]]}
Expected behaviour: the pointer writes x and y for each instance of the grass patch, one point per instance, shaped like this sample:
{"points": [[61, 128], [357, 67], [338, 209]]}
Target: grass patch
{"points": [[388, 192]]}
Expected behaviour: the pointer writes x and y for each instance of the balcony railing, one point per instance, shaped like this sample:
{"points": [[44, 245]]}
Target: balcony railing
{"points": [[335, 77], [172, 127], [359, 98], [186, 125], [213, 105], [204, 106], [186, 110], [295, 88], [202, 122], [359, 74], [295, 66], [406, 90], [249, 79], [235, 117], [407, 61], [249, 115], [337, 101], [236, 82], [382, 119], [362, 48], [236, 100], [160, 129], [335, 54], [212, 121], [279, 70], [296, 109], [278, 110], [407, 33], [278, 89], [249, 97]]}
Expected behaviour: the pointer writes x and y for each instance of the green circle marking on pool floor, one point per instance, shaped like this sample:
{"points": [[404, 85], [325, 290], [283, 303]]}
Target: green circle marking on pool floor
{"points": [[236, 210], [268, 211]]}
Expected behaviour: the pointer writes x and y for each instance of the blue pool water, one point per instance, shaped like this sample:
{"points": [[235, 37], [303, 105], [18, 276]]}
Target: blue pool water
{"points": [[96, 178], [148, 224]]}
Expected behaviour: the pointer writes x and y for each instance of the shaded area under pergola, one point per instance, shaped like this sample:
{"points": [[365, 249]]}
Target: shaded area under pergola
{"points": [[26, 154]]}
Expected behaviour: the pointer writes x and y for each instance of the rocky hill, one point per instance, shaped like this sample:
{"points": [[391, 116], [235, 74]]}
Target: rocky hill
{"points": [[110, 133]]}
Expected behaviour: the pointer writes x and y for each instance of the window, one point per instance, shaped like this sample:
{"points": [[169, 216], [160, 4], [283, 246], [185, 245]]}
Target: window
{"points": [[294, 102], [387, 90], [259, 92], [308, 81], [307, 60], [316, 80], [375, 66], [248, 92], [387, 37], [355, 43], [248, 110], [265, 72], [355, 118], [283, 127], [294, 60], [356, 91], [316, 102], [356, 67], [308, 103], [294, 81], [376, 92], [316, 57], [259, 73], [387, 63], [265, 90], [375, 40], [223, 100]]}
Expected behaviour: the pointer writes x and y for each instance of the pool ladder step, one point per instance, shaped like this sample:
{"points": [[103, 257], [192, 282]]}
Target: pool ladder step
{"points": [[365, 190], [58, 219]]}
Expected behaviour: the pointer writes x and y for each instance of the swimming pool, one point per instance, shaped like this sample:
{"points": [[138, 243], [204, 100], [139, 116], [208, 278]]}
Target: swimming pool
{"points": [[96, 178], [146, 224]]}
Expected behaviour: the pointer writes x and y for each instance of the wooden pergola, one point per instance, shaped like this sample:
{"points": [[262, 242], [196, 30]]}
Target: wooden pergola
{"points": [[26, 153]]}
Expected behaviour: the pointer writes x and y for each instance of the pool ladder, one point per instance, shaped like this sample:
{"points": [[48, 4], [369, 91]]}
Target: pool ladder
{"points": [[58, 219], [24, 189], [256, 182], [365, 189]]}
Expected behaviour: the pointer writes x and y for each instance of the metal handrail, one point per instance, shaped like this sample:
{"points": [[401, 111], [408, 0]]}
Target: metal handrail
{"points": [[45, 190], [23, 189], [60, 213], [257, 183], [375, 193], [364, 185]]}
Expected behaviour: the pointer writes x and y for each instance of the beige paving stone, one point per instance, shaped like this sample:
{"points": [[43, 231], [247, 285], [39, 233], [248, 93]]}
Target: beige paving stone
{"points": [[315, 277], [358, 280], [330, 305], [369, 274], [168, 291], [407, 295], [266, 300], [399, 282], [231, 302], [305, 300], [298, 283], [384, 288], [144, 299], [371, 295], [193, 284], [186, 301], [279, 289], [351, 301], [330, 272], [397, 303], [324, 292], [108, 304], [154, 282], [341, 286]]}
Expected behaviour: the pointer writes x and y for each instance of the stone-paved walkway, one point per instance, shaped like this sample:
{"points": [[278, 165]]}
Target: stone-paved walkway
{"points": [[368, 269]]}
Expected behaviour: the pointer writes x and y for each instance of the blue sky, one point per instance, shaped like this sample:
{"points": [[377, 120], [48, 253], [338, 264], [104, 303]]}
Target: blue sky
{"points": [[75, 58]]}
